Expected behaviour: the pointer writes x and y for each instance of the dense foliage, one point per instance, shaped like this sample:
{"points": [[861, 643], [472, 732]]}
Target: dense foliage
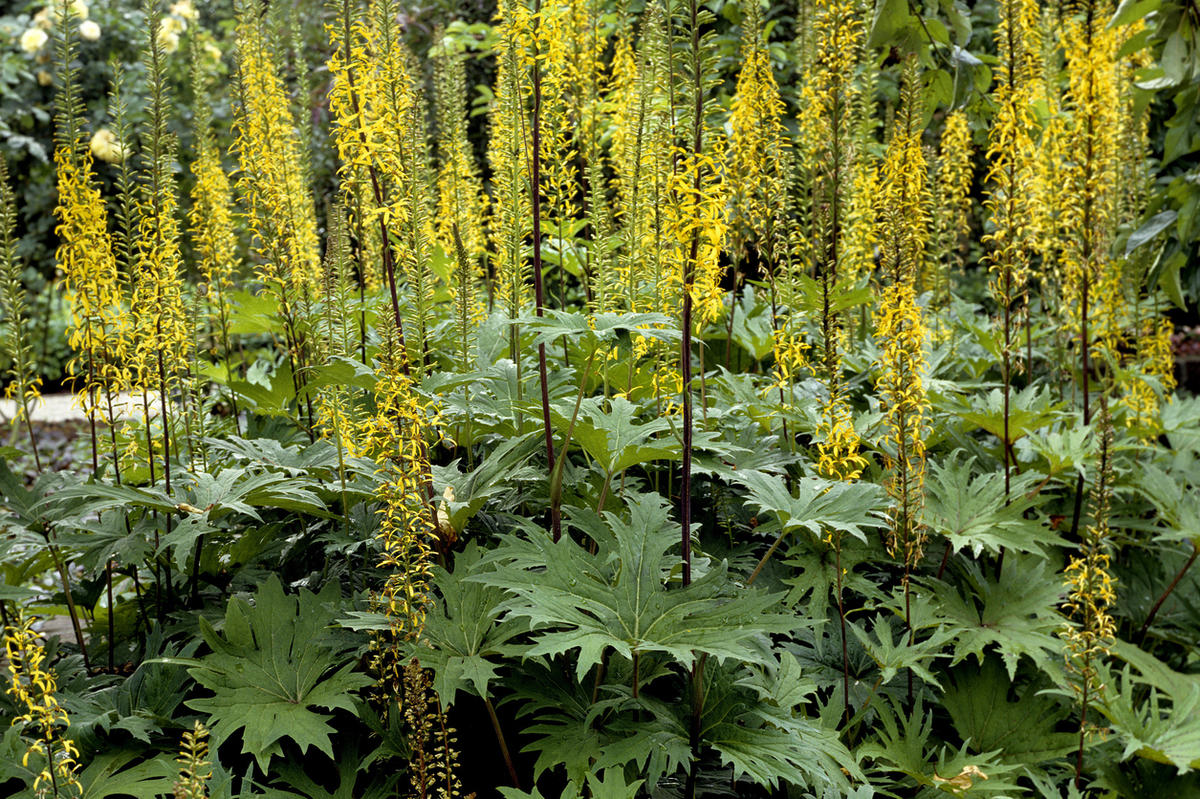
{"points": [[715, 400]]}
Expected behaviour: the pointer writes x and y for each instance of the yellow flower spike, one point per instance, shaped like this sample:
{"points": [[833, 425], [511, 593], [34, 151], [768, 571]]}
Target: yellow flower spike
{"points": [[758, 147], [43, 722], [509, 222], [952, 220], [272, 178]]}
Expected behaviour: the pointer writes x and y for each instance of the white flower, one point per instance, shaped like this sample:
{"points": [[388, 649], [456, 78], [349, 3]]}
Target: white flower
{"points": [[79, 9], [184, 9], [170, 41], [33, 39], [89, 31], [171, 25], [107, 147], [212, 52]]}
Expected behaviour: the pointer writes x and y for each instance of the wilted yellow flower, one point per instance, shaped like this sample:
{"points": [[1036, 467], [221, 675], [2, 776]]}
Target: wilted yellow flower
{"points": [[43, 19], [107, 147], [89, 31], [44, 78], [33, 39]]}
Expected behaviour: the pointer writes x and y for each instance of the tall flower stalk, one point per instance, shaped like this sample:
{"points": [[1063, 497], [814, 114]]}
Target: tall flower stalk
{"points": [[1011, 166], [1091, 591], [24, 383], [272, 185], [1090, 183], [900, 333], [212, 230]]}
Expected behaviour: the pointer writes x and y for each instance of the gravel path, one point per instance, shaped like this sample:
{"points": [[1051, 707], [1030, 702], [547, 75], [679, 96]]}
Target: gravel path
{"points": [[63, 408]]}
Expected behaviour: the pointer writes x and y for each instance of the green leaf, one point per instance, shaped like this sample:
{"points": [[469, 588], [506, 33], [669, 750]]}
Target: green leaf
{"points": [[1153, 226], [461, 632], [974, 513], [274, 662], [819, 505], [1018, 614], [893, 655], [110, 774], [1132, 10], [1022, 730], [1165, 727], [1177, 503], [613, 438], [577, 601], [1028, 410], [892, 18]]}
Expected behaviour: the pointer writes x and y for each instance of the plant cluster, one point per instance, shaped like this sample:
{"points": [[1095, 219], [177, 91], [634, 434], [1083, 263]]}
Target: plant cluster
{"points": [[648, 440]]}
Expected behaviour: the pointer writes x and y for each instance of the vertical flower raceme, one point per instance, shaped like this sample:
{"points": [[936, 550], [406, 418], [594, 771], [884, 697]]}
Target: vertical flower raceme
{"points": [[900, 328], [953, 218], [210, 219], [381, 134], [336, 413], [40, 717], [461, 203], [161, 321], [24, 382], [213, 233], [758, 149], [1090, 142], [1012, 159], [194, 770], [508, 157], [836, 230], [433, 763], [395, 437], [1090, 588], [695, 220], [643, 162], [271, 178], [559, 133], [98, 331]]}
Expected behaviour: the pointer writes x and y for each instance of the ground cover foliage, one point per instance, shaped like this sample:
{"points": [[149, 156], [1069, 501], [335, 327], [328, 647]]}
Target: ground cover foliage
{"points": [[718, 399]]}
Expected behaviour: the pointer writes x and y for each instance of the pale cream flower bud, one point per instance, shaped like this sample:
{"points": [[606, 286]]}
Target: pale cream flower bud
{"points": [[107, 147], [33, 39]]}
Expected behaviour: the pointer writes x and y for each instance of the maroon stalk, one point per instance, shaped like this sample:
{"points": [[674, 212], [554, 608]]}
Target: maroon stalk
{"points": [[535, 194]]}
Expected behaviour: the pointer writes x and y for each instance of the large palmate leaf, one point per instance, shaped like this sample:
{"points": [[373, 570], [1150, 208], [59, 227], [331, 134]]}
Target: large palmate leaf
{"points": [[904, 745], [1177, 503], [274, 662], [616, 441], [972, 512], [1028, 410], [1021, 730], [1165, 726], [461, 638], [618, 598], [1017, 613], [765, 736], [501, 472], [817, 505]]}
